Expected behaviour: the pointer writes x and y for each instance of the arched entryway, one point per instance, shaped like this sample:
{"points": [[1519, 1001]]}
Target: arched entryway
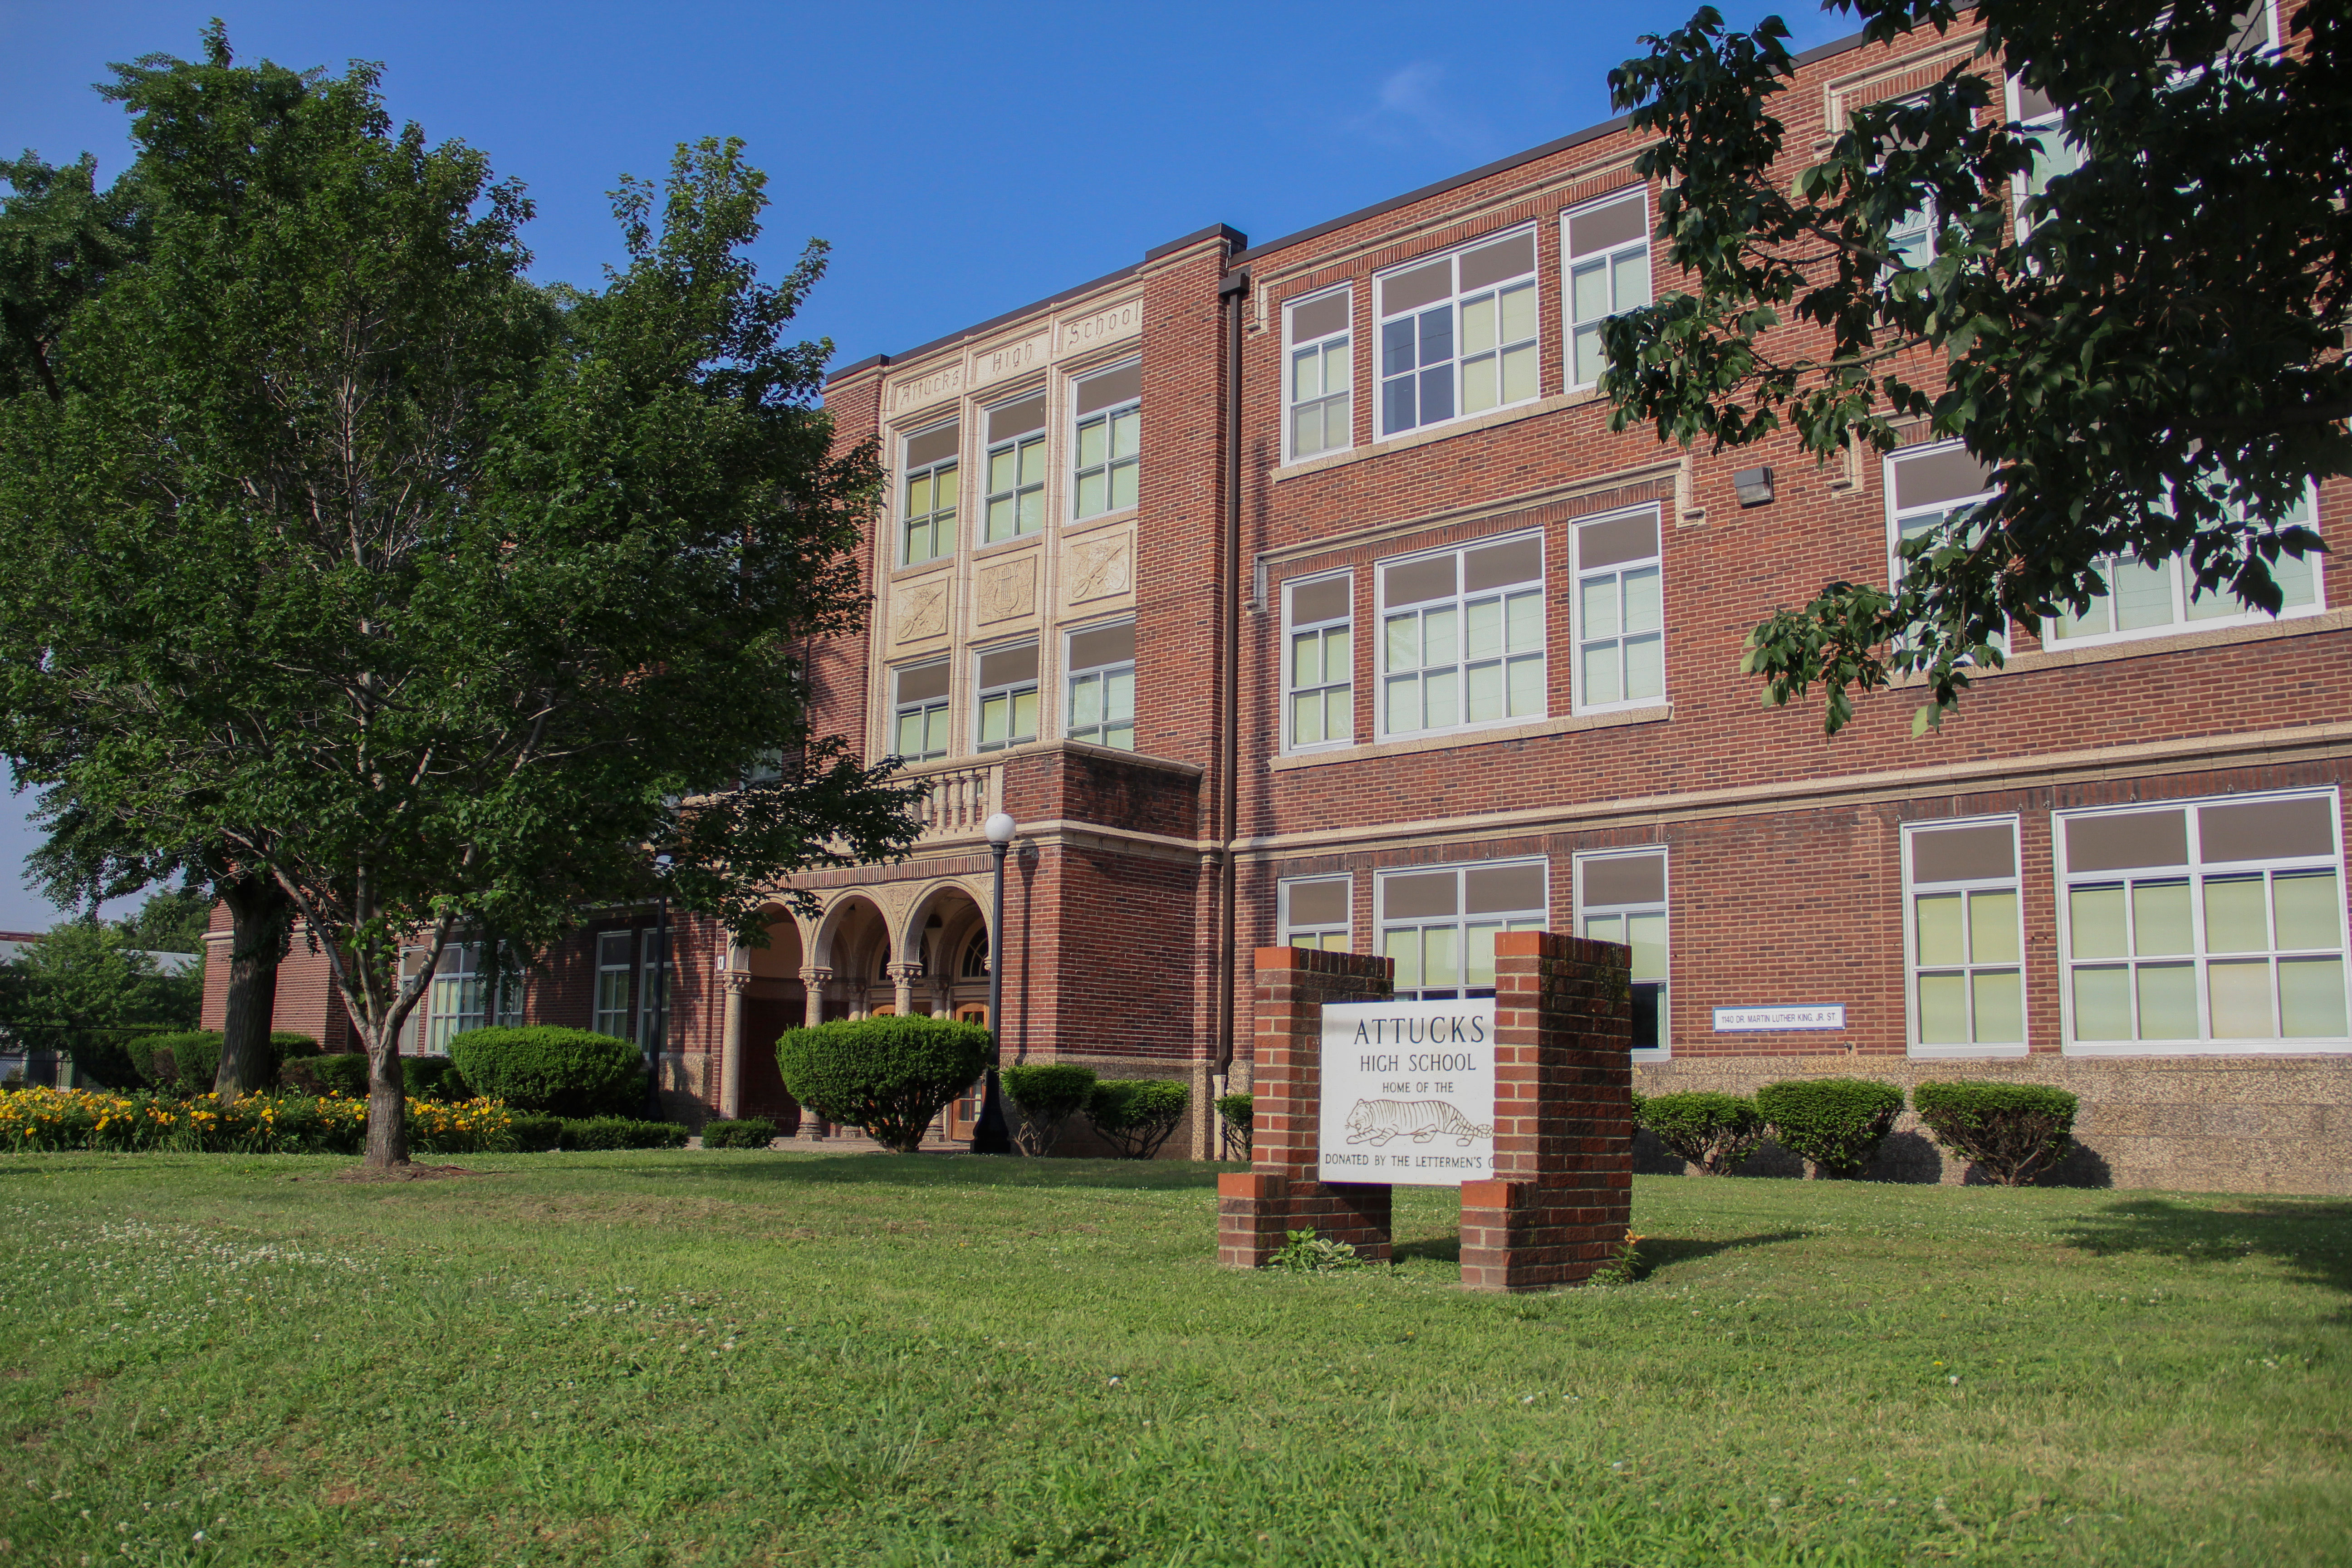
{"points": [[774, 1000], [947, 935]]}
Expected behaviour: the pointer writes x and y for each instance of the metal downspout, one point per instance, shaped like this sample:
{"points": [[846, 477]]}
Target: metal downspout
{"points": [[1233, 290]]}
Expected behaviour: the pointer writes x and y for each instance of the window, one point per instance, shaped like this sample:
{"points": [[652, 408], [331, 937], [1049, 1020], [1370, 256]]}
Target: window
{"points": [[2207, 925], [2145, 601], [1458, 334], [1008, 697], [612, 1013], [1440, 926], [1925, 486], [1102, 686], [927, 515], [467, 992], [1109, 440], [1322, 369], [1314, 912], [1620, 638], [919, 711], [1622, 898], [1965, 940], [1462, 637], [1320, 674], [653, 990], [1912, 237], [1608, 274], [2055, 152], [1016, 470], [975, 965]]}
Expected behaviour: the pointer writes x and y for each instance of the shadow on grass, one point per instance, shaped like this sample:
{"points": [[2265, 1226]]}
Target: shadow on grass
{"points": [[948, 1171], [2312, 1237], [1655, 1252]]}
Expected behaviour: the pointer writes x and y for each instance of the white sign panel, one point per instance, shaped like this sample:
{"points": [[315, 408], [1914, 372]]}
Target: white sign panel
{"points": [[1408, 1092], [1755, 1020]]}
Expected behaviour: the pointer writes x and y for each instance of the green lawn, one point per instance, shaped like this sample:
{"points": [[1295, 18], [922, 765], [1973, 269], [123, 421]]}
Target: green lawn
{"points": [[675, 1358]]}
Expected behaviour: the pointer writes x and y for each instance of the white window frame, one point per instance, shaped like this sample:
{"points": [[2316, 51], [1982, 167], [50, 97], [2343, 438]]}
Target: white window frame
{"points": [[1105, 676], [1930, 220], [1943, 509], [1344, 343], [926, 706], [1532, 587], [1456, 363], [1289, 931], [1292, 629], [1461, 921], [656, 981], [1607, 261], [2196, 873], [2177, 586], [1011, 691], [951, 469], [2046, 130], [1109, 417], [1663, 908], [1912, 889], [611, 1000], [1655, 562], [1016, 444], [462, 988]]}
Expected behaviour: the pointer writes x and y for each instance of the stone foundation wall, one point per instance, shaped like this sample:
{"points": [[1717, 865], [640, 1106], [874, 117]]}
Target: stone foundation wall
{"points": [[2234, 1124]]}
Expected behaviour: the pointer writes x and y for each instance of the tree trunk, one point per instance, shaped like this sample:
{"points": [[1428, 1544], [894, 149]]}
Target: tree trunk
{"points": [[259, 928], [387, 1139]]}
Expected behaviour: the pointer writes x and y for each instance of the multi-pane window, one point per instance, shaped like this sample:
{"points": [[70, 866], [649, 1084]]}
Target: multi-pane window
{"points": [[1318, 673], [1102, 686], [926, 512], [1440, 926], [2207, 925], [1924, 487], [1315, 912], [1966, 939], [2142, 600], [1621, 638], [1007, 697], [1912, 237], [612, 967], [2055, 154], [1622, 898], [653, 989], [1458, 334], [1608, 248], [1462, 637], [1016, 470], [919, 711], [1109, 441], [469, 991], [1321, 370]]}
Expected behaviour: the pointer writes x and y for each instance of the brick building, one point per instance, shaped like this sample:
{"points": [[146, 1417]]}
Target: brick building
{"points": [[1299, 593]]}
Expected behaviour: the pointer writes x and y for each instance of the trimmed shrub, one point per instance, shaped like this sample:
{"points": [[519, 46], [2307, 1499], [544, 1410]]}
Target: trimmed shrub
{"points": [[557, 1071], [1835, 1123], [751, 1133], [1138, 1114], [537, 1134], [434, 1078], [1239, 1112], [1713, 1131], [619, 1133], [1047, 1096], [188, 1061], [890, 1076], [345, 1072], [2010, 1132]]}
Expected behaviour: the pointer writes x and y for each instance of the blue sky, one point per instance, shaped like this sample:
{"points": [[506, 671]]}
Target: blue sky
{"points": [[961, 160]]}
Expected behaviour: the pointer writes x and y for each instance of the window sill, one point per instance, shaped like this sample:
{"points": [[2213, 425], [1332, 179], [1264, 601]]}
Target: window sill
{"points": [[1965, 1053], [936, 566], [2064, 656], [2209, 1047], [1405, 443], [1455, 738], [1079, 524], [1035, 536]]}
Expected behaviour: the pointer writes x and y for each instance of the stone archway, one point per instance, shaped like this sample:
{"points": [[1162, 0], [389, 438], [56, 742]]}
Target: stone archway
{"points": [[775, 998], [852, 953], [945, 931]]}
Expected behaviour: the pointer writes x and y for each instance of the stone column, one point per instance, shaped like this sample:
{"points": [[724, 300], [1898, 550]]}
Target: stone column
{"points": [[815, 980], [730, 1047], [902, 986], [1280, 1191], [1556, 1209]]}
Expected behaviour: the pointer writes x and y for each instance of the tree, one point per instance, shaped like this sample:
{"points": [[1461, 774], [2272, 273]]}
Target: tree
{"points": [[452, 603], [169, 920], [85, 988], [2148, 348]]}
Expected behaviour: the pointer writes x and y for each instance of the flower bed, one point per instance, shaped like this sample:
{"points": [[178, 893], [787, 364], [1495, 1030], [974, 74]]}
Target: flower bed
{"points": [[46, 1119]]}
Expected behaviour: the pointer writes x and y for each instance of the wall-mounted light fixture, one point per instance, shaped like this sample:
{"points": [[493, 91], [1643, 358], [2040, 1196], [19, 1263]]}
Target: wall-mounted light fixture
{"points": [[1753, 486]]}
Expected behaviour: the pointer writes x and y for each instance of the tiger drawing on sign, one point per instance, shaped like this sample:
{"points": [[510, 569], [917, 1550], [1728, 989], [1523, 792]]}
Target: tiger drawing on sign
{"points": [[1375, 1121]]}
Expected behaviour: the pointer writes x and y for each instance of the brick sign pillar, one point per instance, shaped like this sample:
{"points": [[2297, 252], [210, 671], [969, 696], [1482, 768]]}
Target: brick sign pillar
{"points": [[1557, 1207], [1280, 1191]]}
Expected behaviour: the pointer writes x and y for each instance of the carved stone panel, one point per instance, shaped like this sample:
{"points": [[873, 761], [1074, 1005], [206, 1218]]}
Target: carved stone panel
{"points": [[1006, 589], [992, 366], [1074, 334], [922, 612], [914, 391], [1101, 567]]}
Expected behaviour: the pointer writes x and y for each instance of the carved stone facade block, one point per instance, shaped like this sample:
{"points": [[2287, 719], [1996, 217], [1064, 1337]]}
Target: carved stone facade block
{"points": [[1100, 567], [1005, 591], [922, 612]]}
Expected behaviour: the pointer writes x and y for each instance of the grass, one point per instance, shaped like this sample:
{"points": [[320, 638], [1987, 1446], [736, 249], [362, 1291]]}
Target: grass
{"points": [[717, 1358]]}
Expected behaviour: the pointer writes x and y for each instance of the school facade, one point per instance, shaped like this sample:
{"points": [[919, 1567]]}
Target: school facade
{"points": [[1299, 594]]}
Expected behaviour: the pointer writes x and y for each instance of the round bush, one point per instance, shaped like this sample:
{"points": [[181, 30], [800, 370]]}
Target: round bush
{"points": [[556, 1071], [1835, 1123], [1138, 1114], [1240, 1113], [1047, 1095], [890, 1076], [2010, 1132], [751, 1133], [1713, 1131]]}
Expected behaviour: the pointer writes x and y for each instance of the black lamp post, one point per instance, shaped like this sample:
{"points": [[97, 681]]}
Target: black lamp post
{"points": [[991, 1135]]}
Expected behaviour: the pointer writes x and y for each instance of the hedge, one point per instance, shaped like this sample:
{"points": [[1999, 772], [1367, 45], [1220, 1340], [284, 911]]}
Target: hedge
{"points": [[1835, 1123], [1138, 1114], [2011, 1131], [1047, 1096], [557, 1071], [187, 1061], [889, 1075], [423, 1077], [751, 1133], [595, 1132], [1239, 1112], [1713, 1131]]}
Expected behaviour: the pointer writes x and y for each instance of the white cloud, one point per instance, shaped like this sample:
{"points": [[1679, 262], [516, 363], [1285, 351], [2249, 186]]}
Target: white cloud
{"points": [[1411, 106]]}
